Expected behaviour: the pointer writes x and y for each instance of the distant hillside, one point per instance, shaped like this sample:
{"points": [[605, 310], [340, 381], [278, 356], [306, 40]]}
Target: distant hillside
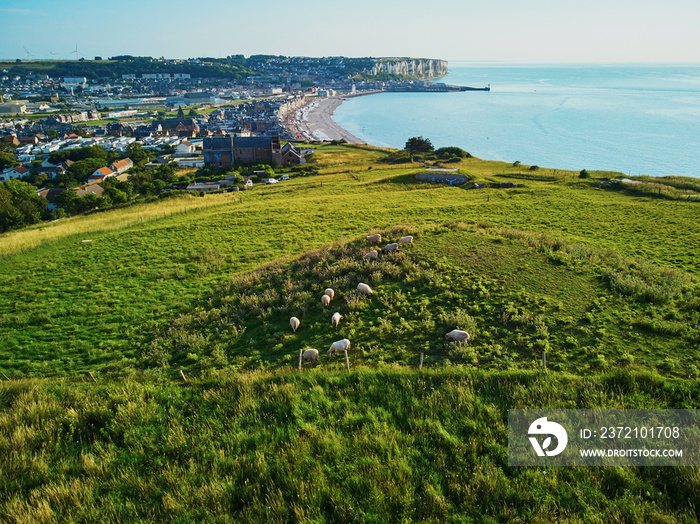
{"points": [[114, 69], [236, 67]]}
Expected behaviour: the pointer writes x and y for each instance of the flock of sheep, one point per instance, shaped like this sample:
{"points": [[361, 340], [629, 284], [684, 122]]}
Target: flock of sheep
{"points": [[342, 346]]}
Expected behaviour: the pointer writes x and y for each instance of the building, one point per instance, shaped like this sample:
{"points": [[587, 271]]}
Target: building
{"points": [[13, 172], [121, 165], [224, 151], [100, 174]]}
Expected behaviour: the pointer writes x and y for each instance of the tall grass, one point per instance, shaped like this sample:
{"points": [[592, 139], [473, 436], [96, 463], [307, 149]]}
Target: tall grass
{"points": [[371, 446]]}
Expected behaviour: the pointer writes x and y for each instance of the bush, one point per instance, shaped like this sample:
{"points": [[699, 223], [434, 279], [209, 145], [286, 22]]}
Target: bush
{"points": [[584, 174], [451, 152], [398, 157]]}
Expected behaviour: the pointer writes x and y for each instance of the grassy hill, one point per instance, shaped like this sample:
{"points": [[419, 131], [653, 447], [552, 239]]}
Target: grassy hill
{"points": [[603, 278]]}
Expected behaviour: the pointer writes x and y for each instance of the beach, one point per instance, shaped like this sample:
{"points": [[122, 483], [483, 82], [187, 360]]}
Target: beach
{"points": [[314, 122]]}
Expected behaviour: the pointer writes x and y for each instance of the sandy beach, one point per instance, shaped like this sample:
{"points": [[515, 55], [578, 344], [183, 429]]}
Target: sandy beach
{"points": [[314, 122]]}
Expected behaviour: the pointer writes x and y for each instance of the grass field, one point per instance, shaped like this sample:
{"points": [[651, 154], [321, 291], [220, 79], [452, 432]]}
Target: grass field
{"points": [[604, 279]]}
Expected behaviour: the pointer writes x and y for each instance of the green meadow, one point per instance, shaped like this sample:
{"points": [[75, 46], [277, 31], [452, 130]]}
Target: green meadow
{"points": [[603, 278]]}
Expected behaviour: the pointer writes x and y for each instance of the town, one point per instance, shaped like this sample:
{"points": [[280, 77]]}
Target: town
{"points": [[73, 133]]}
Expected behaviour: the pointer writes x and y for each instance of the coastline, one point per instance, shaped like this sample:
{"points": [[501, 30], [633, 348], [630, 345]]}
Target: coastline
{"points": [[314, 121]]}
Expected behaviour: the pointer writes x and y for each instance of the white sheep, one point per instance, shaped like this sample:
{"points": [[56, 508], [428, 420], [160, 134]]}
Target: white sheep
{"points": [[406, 240], [335, 319], [391, 247], [294, 322], [325, 300], [330, 293], [374, 239], [339, 346], [372, 255], [311, 354], [364, 288], [458, 335]]}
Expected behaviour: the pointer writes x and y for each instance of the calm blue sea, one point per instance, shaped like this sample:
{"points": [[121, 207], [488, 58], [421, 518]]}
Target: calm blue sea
{"points": [[636, 119]]}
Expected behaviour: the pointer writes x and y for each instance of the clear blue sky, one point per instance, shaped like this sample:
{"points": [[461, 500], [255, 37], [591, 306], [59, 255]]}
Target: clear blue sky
{"points": [[490, 30]]}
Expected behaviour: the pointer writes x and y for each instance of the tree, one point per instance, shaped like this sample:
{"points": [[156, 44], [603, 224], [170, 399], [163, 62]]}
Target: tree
{"points": [[8, 160], [19, 205], [136, 153], [419, 145]]}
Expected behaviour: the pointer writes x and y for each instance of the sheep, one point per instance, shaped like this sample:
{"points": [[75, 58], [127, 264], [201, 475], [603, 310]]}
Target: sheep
{"points": [[335, 319], [374, 239], [325, 300], [406, 240], [364, 288], [372, 255], [339, 346], [391, 247], [294, 322], [458, 335], [311, 354], [330, 293]]}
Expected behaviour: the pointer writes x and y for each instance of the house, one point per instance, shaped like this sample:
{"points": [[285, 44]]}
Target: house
{"points": [[291, 155], [185, 148], [50, 196], [13, 172], [94, 188], [100, 174], [121, 165]]}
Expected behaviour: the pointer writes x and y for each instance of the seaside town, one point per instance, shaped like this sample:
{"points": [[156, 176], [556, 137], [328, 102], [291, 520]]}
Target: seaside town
{"points": [[196, 113]]}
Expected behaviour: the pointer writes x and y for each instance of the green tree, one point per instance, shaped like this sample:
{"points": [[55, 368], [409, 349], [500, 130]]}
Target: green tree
{"points": [[82, 169], [136, 153], [418, 144], [19, 205], [8, 160]]}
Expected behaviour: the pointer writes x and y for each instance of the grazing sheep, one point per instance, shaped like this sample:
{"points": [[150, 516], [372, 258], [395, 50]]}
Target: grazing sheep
{"points": [[372, 255], [311, 354], [294, 322], [406, 240], [335, 319], [374, 239], [391, 247], [325, 300], [458, 336], [364, 288], [330, 293], [339, 346]]}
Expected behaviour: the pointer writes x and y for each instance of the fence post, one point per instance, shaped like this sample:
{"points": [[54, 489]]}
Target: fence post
{"points": [[421, 361], [92, 377], [544, 361], [183, 376], [3, 374], [301, 352], [347, 362]]}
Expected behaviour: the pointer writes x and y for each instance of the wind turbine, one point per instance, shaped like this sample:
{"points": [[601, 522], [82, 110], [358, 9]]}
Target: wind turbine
{"points": [[77, 53], [29, 55], [53, 55]]}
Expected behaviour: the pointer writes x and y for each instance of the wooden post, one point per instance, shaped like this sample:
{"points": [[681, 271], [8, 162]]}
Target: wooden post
{"points": [[3, 374], [347, 362], [544, 361], [93, 378], [301, 352], [421, 361], [183, 376]]}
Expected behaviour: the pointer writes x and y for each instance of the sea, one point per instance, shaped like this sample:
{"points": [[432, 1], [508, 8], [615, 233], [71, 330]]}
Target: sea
{"points": [[637, 119]]}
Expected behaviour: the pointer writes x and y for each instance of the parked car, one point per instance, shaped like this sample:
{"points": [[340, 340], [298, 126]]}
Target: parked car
{"points": [[284, 177], [270, 181]]}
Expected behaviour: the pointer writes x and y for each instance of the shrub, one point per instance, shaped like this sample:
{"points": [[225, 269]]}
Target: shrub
{"points": [[584, 174]]}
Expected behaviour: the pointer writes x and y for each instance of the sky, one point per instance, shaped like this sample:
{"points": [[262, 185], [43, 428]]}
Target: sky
{"points": [[510, 31]]}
